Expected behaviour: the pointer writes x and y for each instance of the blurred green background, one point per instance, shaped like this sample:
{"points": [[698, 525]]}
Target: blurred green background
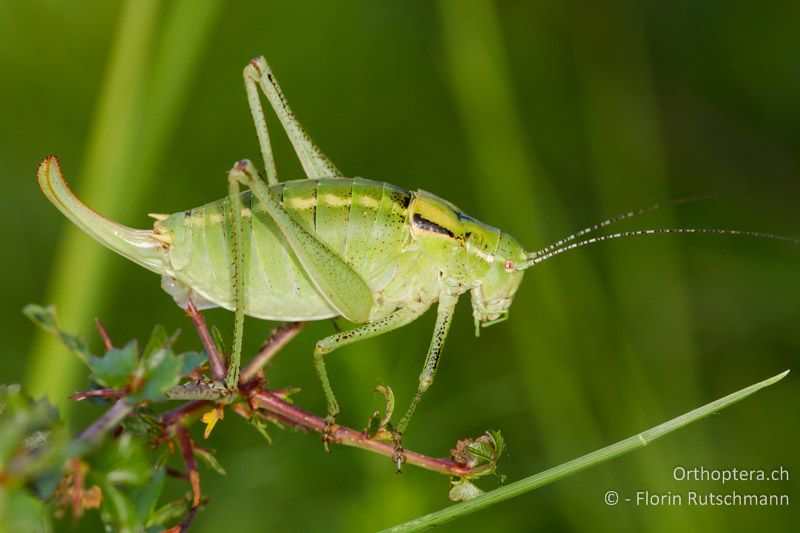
{"points": [[537, 117]]}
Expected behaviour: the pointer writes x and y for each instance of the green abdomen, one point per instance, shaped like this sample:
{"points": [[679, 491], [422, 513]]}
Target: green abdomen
{"points": [[364, 222]]}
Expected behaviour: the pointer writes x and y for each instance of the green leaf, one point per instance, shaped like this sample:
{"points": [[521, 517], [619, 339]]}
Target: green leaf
{"points": [[45, 318], [191, 361], [210, 460], [158, 339], [131, 487], [499, 442], [488, 447], [117, 510], [168, 512], [122, 461], [30, 427], [21, 512], [116, 366], [146, 497], [162, 372], [142, 424]]}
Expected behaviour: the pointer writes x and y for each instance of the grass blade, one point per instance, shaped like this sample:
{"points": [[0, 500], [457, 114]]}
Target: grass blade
{"points": [[581, 463]]}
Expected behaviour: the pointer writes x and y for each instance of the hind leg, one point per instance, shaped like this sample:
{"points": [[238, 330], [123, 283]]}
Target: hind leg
{"points": [[315, 164]]}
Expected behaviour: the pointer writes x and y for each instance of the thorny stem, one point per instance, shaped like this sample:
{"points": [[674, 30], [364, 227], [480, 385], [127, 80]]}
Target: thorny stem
{"points": [[270, 405], [218, 370], [109, 420], [279, 337], [177, 414], [350, 437], [247, 413], [98, 393], [104, 334], [191, 463], [187, 521], [299, 418]]}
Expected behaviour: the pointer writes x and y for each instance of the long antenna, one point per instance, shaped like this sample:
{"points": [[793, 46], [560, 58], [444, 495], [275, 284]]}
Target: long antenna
{"points": [[535, 258], [627, 215]]}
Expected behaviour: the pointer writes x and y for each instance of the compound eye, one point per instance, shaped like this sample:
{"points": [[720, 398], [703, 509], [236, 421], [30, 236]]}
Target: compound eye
{"points": [[509, 265]]}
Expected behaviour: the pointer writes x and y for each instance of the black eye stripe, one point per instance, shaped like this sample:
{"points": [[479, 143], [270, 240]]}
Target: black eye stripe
{"points": [[426, 225]]}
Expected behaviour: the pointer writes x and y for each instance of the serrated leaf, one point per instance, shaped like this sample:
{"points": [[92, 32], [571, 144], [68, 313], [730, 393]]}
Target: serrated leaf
{"points": [[162, 372], [116, 366], [191, 361], [210, 460], [481, 450], [158, 339], [45, 318], [499, 442], [488, 447]]}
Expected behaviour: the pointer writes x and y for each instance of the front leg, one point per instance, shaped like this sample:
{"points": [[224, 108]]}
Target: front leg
{"points": [[444, 316]]}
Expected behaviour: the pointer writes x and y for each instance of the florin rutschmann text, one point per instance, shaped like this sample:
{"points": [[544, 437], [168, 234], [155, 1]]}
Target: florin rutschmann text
{"points": [[697, 497]]}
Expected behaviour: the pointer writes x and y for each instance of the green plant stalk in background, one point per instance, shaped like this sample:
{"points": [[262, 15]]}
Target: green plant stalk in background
{"points": [[508, 174], [138, 109]]}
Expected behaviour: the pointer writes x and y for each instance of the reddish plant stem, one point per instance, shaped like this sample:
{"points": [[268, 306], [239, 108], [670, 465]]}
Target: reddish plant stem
{"points": [[104, 334], [98, 393], [173, 472], [185, 442], [248, 413], [350, 437], [176, 415], [279, 337], [186, 523], [109, 420], [218, 370]]}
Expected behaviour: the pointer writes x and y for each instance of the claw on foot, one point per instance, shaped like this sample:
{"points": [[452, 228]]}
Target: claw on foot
{"points": [[399, 455], [327, 433]]}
